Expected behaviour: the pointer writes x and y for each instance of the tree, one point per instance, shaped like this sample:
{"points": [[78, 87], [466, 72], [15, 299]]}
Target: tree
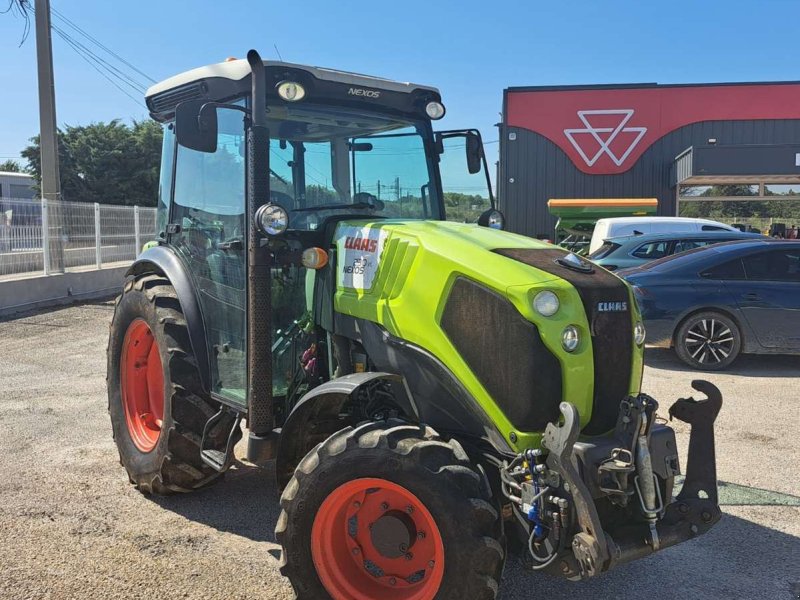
{"points": [[10, 166], [109, 163]]}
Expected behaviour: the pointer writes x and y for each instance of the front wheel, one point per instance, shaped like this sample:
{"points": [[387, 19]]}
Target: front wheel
{"points": [[708, 341], [390, 510]]}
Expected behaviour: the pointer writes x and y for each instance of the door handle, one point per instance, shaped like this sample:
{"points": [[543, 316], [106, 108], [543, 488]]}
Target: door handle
{"points": [[751, 296]]}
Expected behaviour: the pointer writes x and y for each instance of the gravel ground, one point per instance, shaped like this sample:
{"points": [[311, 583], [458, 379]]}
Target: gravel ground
{"points": [[72, 526]]}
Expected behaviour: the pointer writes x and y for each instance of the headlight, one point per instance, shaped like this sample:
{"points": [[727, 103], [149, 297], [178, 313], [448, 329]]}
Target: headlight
{"points": [[639, 333], [291, 91], [546, 303], [272, 219], [435, 110], [570, 338]]}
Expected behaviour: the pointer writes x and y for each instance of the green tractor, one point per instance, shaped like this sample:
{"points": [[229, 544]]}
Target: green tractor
{"points": [[434, 394]]}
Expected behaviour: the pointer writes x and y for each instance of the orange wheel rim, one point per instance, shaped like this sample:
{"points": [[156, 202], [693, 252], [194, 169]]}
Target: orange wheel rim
{"points": [[142, 385], [373, 538]]}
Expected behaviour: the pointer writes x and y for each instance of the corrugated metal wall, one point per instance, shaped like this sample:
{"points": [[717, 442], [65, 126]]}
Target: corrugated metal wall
{"points": [[540, 170]]}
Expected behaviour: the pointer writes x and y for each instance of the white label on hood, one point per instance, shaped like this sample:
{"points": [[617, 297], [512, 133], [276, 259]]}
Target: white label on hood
{"points": [[358, 255]]}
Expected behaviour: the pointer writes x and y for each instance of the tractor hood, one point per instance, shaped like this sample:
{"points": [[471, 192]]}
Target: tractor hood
{"points": [[465, 295]]}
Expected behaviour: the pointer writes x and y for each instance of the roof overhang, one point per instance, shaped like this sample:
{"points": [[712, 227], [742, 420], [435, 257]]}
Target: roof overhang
{"points": [[735, 164], [225, 81]]}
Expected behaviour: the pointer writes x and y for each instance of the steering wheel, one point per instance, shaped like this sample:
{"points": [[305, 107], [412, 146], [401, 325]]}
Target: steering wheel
{"points": [[367, 198]]}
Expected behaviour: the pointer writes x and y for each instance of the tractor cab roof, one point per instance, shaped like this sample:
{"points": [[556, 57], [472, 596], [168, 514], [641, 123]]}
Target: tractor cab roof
{"points": [[226, 81]]}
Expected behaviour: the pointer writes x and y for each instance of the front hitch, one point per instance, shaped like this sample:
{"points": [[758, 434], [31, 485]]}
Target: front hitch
{"points": [[629, 470]]}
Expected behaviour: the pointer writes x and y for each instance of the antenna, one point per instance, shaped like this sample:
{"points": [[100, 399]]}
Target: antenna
{"points": [[278, 52]]}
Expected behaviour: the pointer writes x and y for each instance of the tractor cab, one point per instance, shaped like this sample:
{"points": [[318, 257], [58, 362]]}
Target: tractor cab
{"points": [[336, 146]]}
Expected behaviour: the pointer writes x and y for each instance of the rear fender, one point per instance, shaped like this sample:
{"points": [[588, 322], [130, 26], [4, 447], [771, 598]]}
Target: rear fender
{"points": [[164, 261], [318, 414]]}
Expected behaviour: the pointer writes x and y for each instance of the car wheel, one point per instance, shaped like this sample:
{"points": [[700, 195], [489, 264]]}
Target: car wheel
{"points": [[708, 341]]}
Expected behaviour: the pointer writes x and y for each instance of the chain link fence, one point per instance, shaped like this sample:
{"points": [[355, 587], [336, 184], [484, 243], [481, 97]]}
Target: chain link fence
{"points": [[47, 236]]}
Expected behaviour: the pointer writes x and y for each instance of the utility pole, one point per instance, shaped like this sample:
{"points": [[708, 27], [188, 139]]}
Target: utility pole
{"points": [[48, 140]]}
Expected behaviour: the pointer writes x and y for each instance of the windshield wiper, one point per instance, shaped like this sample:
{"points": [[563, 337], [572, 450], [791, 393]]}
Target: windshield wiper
{"points": [[335, 206]]}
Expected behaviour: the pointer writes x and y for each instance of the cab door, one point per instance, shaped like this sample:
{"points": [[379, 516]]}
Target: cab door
{"points": [[207, 228]]}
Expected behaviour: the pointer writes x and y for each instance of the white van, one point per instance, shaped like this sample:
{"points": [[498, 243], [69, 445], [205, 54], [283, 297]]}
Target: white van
{"points": [[618, 226]]}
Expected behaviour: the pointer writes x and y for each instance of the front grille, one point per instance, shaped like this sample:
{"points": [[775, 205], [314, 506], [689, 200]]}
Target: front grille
{"points": [[506, 354], [612, 332]]}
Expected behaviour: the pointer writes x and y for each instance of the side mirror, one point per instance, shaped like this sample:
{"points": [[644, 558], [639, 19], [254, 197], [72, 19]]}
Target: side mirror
{"points": [[492, 218], [474, 153], [196, 125]]}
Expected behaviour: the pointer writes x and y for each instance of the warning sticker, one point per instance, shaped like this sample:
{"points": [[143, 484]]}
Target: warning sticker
{"points": [[359, 254]]}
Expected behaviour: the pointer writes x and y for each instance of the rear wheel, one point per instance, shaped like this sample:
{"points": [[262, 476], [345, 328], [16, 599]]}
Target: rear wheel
{"points": [[157, 407], [708, 340], [389, 510]]}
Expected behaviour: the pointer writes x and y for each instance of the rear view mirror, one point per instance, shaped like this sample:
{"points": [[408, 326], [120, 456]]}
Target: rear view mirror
{"points": [[474, 153], [361, 147], [196, 125]]}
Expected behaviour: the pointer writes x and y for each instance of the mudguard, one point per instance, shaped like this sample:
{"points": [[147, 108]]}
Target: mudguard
{"points": [[318, 414], [164, 260]]}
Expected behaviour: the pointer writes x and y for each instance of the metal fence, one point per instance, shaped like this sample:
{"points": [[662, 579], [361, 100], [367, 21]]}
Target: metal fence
{"points": [[49, 236]]}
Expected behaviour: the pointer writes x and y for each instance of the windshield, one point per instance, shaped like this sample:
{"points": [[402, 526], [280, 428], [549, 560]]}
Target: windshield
{"points": [[329, 160]]}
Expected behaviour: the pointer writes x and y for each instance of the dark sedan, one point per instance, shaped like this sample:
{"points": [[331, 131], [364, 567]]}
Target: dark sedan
{"points": [[713, 303]]}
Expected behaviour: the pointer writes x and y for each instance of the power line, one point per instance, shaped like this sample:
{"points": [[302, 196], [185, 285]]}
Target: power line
{"points": [[77, 49], [100, 44], [21, 7], [107, 70], [111, 69]]}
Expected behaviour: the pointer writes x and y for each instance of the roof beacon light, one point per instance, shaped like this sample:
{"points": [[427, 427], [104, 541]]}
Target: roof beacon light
{"points": [[291, 91], [435, 110]]}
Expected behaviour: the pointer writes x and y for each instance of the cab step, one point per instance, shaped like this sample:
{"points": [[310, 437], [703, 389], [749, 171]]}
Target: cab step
{"points": [[217, 459]]}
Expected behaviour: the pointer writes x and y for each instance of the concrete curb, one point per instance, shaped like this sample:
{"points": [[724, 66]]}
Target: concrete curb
{"points": [[42, 291]]}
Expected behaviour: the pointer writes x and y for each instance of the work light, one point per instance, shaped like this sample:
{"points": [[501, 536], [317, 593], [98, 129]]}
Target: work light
{"points": [[272, 219], [435, 110], [291, 91]]}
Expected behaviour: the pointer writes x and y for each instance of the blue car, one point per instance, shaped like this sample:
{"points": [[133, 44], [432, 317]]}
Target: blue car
{"points": [[713, 303], [628, 251]]}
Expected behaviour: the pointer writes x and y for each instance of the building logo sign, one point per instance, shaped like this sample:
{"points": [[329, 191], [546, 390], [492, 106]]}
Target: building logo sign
{"points": [[605, 132]]}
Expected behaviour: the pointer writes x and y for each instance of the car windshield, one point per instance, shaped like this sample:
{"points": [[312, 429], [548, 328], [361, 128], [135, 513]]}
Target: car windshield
{"points": [[329, 160]]}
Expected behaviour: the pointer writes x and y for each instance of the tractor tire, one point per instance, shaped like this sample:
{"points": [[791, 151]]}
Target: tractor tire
{"points": [[157, 407], [388, 509], [709, 341]]}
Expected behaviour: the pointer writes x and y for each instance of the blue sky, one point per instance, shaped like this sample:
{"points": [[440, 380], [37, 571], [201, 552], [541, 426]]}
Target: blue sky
{"points": [[470, 49]]}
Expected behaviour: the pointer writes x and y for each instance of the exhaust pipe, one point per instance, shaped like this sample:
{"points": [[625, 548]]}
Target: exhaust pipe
{"points": [[262, 441]]}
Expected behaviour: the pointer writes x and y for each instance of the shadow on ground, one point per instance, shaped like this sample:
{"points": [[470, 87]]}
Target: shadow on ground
{"points": [[708, 567], [749, 365], [244, 503]]}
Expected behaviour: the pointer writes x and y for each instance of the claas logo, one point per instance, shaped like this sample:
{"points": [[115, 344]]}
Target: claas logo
{"points": [[359, 243]]}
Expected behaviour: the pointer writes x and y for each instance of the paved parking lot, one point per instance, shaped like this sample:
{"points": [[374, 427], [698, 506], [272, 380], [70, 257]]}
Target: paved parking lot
{"points": [[72, 526]]}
